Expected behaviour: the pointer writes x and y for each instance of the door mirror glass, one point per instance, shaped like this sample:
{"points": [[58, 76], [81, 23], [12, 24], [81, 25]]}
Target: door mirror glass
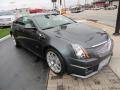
{"points": [[18, 22], [30, 27]]}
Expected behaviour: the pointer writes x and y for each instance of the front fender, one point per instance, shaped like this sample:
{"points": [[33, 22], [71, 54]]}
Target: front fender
{"points": [[63, 47]]}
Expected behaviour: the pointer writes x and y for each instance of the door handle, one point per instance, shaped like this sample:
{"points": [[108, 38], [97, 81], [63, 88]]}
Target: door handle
{"points": [[41, 36]]}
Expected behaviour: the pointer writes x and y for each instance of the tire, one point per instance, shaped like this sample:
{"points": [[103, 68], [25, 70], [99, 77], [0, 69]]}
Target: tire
{"points": [[59, 60], [16, 43]]}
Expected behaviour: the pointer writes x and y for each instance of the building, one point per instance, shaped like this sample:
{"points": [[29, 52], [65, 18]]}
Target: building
{"points": [[115, 2], [105, 3]]}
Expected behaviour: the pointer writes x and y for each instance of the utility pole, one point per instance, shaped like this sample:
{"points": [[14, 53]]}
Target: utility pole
{"points": [[94, 3], [60, 2], [65, 4], [85, 4], [117, 28], [54, 4]]}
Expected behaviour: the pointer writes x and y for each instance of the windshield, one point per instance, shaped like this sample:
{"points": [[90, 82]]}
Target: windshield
{"points": [[5, 13], [50, 21]]}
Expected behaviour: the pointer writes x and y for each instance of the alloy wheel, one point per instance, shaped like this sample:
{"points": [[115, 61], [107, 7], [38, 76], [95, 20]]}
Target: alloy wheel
{"points": [[53, 62]]}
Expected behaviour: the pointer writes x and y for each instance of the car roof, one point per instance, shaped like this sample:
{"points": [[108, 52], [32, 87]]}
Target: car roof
{"points": [[36, 14]]}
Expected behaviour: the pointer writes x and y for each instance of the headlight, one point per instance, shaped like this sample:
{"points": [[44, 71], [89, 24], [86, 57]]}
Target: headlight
{"points": [[80, 52], [109, 44]]}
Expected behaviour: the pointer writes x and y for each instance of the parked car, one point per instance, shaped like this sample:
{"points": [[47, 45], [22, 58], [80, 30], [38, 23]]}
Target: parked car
{"points": [[102, 8], [96, 8], [76, 9], [111, 7], [6, 18], [67, 46], [61, 11]]}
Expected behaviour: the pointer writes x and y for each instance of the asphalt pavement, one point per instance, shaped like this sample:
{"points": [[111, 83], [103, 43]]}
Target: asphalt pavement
{"points": [[107, 17], [18, 69]]}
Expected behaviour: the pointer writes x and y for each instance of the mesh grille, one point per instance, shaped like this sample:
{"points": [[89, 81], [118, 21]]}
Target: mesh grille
{"points": [[105, 47]]}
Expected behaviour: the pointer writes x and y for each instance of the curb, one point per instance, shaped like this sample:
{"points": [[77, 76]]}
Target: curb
{"points": [[92, 20], [86, 20], [4, 38], [99, 22]]}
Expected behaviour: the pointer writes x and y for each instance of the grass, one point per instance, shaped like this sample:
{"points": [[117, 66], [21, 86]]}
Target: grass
{"points": [[4, 32]]}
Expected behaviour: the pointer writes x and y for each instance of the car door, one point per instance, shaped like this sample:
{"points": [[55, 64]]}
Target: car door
{"points": [[33, 40], [18, 30]]}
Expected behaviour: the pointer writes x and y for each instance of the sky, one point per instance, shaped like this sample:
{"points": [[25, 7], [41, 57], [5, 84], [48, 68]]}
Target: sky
{"points": [[13, 4]]}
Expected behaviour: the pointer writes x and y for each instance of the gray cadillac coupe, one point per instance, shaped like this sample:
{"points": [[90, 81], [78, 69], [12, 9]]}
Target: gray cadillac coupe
{"points": [[67, 46]]}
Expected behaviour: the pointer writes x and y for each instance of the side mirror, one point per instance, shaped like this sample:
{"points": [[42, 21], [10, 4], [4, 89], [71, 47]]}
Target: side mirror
{"points": [[29, 27], [17, 22], [63, 27]]}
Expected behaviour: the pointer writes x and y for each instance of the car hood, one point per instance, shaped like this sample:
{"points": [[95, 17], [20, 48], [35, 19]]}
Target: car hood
{"points": [[81, 34]]}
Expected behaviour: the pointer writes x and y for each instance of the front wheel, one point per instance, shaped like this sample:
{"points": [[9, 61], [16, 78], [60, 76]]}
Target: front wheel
{"points": [[55, 61], [16, 43]]}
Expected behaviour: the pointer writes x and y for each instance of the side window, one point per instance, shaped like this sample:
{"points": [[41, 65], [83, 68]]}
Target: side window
{"points": [[19, 21], [28, 23], [25, 22]]}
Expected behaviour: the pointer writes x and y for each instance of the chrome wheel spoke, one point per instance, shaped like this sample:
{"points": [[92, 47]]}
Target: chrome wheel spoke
{"points": [[57, 67], [53, 62]]}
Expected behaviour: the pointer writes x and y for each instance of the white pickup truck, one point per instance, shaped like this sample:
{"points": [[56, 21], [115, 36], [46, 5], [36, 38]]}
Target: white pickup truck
{"points": [[6, 18]]}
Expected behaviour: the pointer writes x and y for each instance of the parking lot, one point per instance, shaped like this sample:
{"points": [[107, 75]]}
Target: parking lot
{"points": [[78, 42], [19, 71], [107, 17]]}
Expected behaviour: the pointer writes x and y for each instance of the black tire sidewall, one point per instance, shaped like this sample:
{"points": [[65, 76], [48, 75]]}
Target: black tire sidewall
{"points": [[17, 43], [61, 61]]}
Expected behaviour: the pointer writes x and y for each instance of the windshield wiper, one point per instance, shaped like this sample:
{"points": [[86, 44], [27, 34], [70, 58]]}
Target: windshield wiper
{"points": [[65, 24], [55, 26], [47, 28]]}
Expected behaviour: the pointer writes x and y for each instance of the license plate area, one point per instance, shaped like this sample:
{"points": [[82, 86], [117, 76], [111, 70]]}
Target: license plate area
{"points": [[104, 63]]}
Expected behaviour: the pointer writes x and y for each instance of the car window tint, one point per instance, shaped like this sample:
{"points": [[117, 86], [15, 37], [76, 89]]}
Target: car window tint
{"points": [[47, 21], [28, 22], [25, 22], [19, 21]]}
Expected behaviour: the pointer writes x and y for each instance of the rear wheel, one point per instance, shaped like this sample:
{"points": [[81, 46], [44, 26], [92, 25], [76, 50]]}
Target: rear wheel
{"points": [[55, 61], [15, 42]]}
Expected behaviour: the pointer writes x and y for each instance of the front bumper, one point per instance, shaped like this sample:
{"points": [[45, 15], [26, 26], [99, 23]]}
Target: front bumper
{"points": [[89, 67], [86, 69]]}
